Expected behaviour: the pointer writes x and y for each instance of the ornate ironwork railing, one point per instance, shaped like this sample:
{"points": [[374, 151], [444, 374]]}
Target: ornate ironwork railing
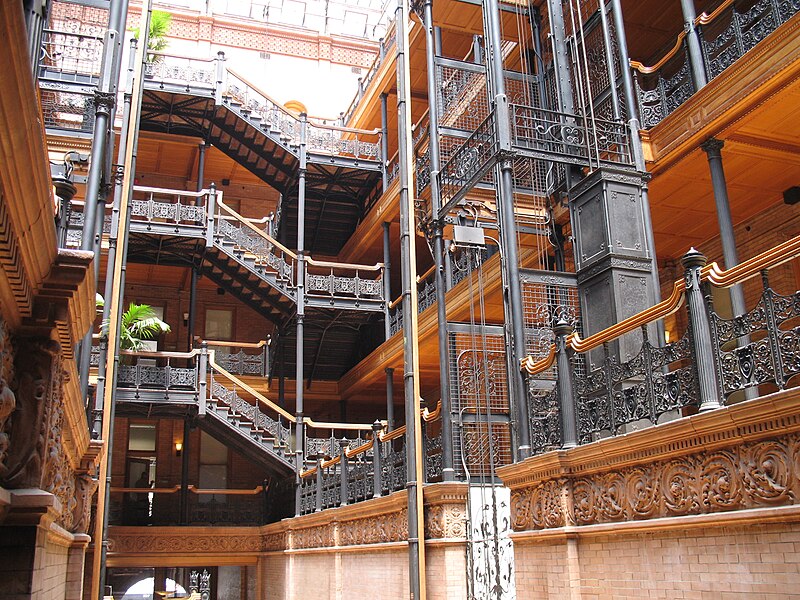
{"points": [[624, 388], [342, 282], [273, 117], [241, 358], [188, 71], [385, 45], [67, 110], [470, 162], [166, 206], [167, 371], [725, 36], [136, 506], [345, 473], [569, 138]]}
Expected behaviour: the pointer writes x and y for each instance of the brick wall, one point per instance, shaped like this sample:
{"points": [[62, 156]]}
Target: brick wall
{"points": [[363, 573], [748, 561]]}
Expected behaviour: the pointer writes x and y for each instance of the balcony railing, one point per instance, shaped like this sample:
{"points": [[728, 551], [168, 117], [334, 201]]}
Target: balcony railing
{"points": [[137, 506], [726, 35], [350, 474], [614, 390]]}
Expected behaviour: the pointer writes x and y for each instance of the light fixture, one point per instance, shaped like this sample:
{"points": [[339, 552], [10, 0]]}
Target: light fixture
{"points": [[178, 448], [666, 336]]}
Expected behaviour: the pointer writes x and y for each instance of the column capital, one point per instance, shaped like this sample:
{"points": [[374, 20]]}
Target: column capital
{"points": [[713, 147]]}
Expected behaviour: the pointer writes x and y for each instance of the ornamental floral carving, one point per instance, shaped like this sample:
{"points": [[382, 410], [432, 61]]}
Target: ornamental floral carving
{"points": [[392, 527], [749, 475], [445, 521], [120, 543]]}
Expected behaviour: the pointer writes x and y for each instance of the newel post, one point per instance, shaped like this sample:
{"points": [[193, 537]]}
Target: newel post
{"points": [[344, 487], [318, 503], [566, 396], [202, 376], [211, 208], [377, 464], [694, 261]]}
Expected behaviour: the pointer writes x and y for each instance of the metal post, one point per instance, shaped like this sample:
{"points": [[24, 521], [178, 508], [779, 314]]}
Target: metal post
{"points": [[185, 473], [387, 275], [693, 261], [202, 379], [318, 499], [344, 483], [566, 396], [515, 325], [220, 83], [448, 265], [636, 147], [693, 44], [389, 398], [448, 473], [560, 56], [115, 288], [201, 165], [384, 142], [190, 322], [377, 466], [408, 262], [301, 277]]}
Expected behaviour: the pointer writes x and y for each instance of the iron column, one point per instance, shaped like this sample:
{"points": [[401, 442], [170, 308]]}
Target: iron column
{"points": [[693, 44], [300, 287], [438, 246]]}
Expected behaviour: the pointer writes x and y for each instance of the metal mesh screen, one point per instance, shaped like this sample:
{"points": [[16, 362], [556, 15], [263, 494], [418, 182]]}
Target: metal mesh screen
{"points": [[480, 398], [461, 96], [64, 110]]}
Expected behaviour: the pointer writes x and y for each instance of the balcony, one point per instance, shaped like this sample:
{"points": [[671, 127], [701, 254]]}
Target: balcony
{"points": [[726, 35]]}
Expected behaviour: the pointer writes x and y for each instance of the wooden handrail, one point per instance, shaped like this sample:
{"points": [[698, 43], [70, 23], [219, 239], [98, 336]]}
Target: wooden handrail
{"points": [[705, 18], [145, 490], [170, 192], [657, 311], [227, 492], [181, 56], [343, 426], [426, 274], [774, 257], [225, 343], [351, 266], [256, 230], [780, 254], [635, 64], [146, 354], [257, 395]]}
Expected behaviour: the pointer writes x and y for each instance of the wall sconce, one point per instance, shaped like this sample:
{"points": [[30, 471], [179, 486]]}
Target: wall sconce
{"points": [[186, 318], [178, 448]]}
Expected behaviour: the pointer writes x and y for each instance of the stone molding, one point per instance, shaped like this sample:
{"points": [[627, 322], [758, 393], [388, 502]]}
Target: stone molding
{"points": [[379, 521], [745, 456]]}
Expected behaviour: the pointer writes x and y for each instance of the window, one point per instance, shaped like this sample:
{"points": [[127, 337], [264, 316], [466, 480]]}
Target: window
{"points": [[142, 438], [219, 324]]}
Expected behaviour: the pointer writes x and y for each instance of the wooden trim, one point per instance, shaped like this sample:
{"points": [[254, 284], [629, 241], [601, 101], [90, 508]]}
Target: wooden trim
{"points": [[647, 70]]}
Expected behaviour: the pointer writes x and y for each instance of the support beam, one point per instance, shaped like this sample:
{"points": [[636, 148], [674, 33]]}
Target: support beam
{"points": [[448, 473], [408, 263], [299, 375], [693, 44]]}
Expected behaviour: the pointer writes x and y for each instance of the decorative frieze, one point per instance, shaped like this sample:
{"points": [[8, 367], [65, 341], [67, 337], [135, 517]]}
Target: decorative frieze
{"points": [[752, 463]]}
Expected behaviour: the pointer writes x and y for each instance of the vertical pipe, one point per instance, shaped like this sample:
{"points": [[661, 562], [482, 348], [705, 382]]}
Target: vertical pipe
{"points": [[693, 44], [636, 147], [301, 236], [387, 275], [384, 142], [192, 308], [344, 474], [116, 272], [201, 165], [408, 262], [389, 398], [438, 246], [560, 57]]}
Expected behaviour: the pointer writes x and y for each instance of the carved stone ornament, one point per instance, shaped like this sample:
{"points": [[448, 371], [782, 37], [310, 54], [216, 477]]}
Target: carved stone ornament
{"points": [[8, 401], [173, 543], [750, 475]]}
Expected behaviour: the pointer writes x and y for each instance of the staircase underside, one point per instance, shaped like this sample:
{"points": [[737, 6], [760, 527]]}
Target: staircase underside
{"points": [[336, 193], [211, 424], [334, 339]]}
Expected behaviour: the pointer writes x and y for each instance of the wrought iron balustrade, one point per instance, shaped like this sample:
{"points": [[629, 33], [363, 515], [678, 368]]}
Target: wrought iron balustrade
{"points": [[343, 142], [576, 139], [339, 283], [620, 379], [385, 45], [162, 371], [163, 506], [241, 358], [75, 224], [188, 72], [729, 32], [470, 163], [153, 206]]}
